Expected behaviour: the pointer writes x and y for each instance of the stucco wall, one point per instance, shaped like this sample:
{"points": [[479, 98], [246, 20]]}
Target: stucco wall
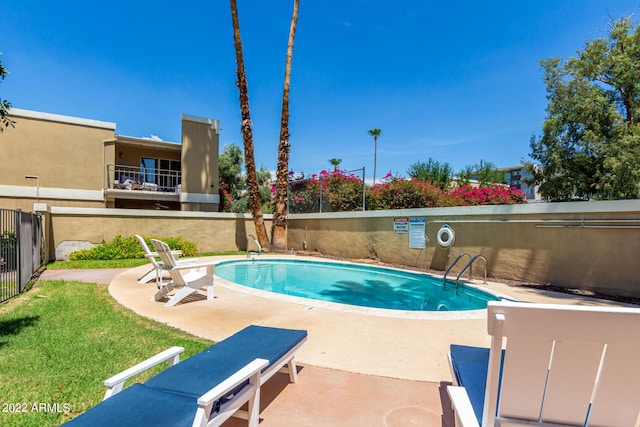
{"points": [[63, 152], [211, 231], [592, 245], [200, 146]]}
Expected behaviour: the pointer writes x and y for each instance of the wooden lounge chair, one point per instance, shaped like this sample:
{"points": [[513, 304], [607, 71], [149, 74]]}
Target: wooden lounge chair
{"points": [[156, 273], [188, 282], [561, 365], [203, 390]]}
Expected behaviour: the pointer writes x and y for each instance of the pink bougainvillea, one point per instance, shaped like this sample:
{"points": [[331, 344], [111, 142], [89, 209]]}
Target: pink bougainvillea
{"points": [[343, 192]]}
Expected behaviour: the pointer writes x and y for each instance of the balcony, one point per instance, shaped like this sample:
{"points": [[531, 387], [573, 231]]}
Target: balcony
{"points": [[142, 183]]}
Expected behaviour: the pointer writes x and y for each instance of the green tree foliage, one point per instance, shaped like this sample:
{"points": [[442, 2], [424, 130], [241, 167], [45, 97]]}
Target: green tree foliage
{"points": [[5, 105], [230, 169], [487, 174], [590, 147], [233, 184], [241, 203], [335, 162], [465, 176], [439, 174]]}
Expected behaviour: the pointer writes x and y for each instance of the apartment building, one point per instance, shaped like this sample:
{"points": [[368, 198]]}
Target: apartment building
{"points": [[516, 177], [77, 162]]}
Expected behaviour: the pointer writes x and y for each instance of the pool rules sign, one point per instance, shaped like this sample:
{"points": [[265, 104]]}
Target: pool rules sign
{"points": [[416, 233]]}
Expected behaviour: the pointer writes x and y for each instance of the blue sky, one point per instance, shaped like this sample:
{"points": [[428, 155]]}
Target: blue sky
{"points": [[453, 81]]}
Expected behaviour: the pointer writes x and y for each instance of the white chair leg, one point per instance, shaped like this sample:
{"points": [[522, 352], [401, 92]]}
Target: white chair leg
{"points": [[163, 292], [148, 276]]}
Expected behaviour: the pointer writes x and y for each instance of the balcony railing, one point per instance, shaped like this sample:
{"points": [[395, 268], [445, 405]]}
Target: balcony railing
{"points": [[121, 177]]}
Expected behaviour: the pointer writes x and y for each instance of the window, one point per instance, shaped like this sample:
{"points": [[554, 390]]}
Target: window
{"points": [[165, 173]]}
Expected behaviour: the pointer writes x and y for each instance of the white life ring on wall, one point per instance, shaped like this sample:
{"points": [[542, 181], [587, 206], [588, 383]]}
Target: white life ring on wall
{"points": [[446, 236]]}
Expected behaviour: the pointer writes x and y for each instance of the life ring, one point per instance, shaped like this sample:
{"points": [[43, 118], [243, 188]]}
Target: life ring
{"points": [[446, 236]]}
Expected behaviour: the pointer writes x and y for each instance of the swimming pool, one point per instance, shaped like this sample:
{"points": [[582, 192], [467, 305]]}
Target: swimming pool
{"points": [[353, 284]]}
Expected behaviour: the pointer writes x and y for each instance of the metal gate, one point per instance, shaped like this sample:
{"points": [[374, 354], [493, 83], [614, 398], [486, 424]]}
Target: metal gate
{"points": [[20, 250]]}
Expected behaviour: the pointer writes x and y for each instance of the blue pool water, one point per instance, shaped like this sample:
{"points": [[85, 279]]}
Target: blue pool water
{"points": [[353, 284]]}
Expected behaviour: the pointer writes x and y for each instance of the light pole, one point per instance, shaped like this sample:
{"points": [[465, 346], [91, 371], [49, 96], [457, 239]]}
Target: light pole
{"points": [[37, 185]]}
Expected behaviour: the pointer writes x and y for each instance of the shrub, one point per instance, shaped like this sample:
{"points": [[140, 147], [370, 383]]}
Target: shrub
{"points": [[342, 192], [8, 246], [397, 193], [129, 247], [494, 195]]}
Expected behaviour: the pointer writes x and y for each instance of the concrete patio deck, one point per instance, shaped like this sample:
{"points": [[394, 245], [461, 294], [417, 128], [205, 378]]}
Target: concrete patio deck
{"points": [[359, 367]]}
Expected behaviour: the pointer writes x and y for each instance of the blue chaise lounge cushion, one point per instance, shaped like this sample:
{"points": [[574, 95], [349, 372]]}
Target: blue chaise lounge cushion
{"points": [[170, 397], [470, 365], [137, 406], [198, 374]]}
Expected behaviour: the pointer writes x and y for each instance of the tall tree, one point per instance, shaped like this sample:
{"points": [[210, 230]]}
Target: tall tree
{"points": [[590, 147], [489, 174], [230, 170], [5, 105], [439, 174], [335, 162], [375, 133], [279, 228], [247, 134]]}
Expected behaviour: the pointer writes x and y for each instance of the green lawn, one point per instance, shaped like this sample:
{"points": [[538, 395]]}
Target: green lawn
{"points": [[58, 343], [97, 264]]}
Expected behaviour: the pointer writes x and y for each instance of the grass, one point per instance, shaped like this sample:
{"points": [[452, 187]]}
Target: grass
{"points": [[61, 340], [97, 264]]}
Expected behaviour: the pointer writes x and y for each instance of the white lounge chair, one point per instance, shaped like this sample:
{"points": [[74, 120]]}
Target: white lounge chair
{"points": [[157, 272], [561, 365], [188, 282]]}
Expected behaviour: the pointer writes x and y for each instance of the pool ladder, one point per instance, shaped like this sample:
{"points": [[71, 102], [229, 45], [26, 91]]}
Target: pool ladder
{"points": [[467, 266], [249, 253]]}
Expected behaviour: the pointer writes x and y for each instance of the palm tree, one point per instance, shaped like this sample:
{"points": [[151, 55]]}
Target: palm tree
{"points": [[375, 133], [247, 134], [279, 228], [335, 162], [5, 105]]}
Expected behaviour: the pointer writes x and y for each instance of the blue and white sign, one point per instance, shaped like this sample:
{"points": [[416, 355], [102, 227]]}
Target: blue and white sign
{"points": [[416, 233]]}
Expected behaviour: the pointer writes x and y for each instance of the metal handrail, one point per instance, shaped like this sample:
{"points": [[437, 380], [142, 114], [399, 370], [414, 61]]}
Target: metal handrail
{"points": [[444, 279], [469, 265], [249, 253]]}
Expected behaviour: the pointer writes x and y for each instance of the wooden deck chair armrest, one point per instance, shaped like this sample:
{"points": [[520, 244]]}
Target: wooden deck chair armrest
{"points": [[189, 266], [115, 383], [155, 254], [463, 411], [206, 402]]}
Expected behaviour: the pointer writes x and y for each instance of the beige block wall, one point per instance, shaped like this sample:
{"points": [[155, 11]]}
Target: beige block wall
{"points": [[211, 231], [62, 155], [65, 153]]}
